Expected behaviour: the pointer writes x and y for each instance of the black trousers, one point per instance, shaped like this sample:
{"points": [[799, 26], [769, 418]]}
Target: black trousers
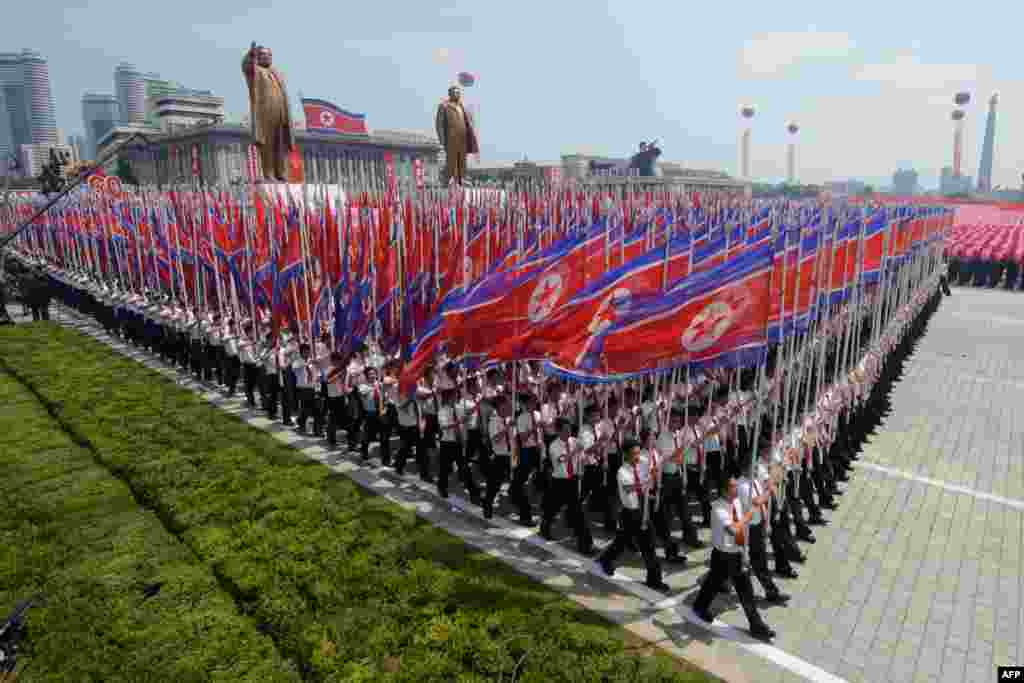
{"points": [[449, 453], [409, 436], [290, 403], [271, 388], [632, 529], [250, 379], [593, 497], [335, 408], [784, 546], [759, 559], [497, 473], [696, 490], [305, 398], [529, 459], [564, 493], [662, 530], [611, 490], [728, 567], [373, 430], [675, 502], [232, 369]]}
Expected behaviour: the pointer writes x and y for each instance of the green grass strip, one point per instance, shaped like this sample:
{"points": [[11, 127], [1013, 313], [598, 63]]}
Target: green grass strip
{"points": [[350, 585], [72, 531]]}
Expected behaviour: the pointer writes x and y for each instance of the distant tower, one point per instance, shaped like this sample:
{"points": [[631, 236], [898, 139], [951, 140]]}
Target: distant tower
{"points": [[958, 139], [130, 88], [985, 168], [747, 112], [961, 100], [792, 129]]}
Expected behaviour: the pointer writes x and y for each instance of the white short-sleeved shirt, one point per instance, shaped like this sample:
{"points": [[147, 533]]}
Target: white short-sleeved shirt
{"points": [[561, 453], [447, 416], [723, 515], [408, 413], [627, 482], [587, 440], [527, 424], [667, 443], [500, 443]]}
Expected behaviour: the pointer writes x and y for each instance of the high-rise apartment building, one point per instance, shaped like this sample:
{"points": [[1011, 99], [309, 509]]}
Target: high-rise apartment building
{"points": [[904, 182], [100, 113], [26, 104], [130, 88]]}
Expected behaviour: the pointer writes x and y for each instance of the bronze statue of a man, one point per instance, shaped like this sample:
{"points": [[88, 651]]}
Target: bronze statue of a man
{"points": [[456, 134], [270, 114]]}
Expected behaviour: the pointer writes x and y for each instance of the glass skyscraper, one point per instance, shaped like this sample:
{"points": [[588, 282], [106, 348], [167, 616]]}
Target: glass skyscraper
{"points": [[26, 104], [100, 113]]}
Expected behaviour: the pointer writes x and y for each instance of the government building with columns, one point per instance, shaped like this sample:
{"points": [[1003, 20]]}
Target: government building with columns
{"points": [[222, 154]]}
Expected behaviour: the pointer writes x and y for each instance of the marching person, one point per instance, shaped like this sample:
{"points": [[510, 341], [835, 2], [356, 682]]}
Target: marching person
{"points": [[528, 434], [271, 369], [633, 483], [675, 500], [408, 410], [428, 400], [451, 418], [371, 395], [729, 525], [302, 371], [389, 416], [651, 458], [292, 365], [337, 391], [500, 428], [564, 491], [755, 493]]}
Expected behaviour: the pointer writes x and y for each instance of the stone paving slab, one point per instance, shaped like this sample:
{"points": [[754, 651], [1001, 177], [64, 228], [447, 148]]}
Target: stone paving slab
{"points": [[912, 580]]}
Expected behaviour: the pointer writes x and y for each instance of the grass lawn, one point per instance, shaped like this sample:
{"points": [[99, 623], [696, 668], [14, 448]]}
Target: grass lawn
{"points": [[346, 585]]}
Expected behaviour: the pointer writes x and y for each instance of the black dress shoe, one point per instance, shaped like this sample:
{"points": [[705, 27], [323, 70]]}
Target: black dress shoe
{"points": [[606, 566], [588, 551], [704, 616], [660, 586], [827, 505], [777, 598], [488, 511], [806, 537], [762, 632], [675, 558], [787, 573], [695, 543]]}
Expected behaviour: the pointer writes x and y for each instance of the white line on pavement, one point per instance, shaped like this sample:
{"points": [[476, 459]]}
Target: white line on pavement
{"points": [[956, 488]]}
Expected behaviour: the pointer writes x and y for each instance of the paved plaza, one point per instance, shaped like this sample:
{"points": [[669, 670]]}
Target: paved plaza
{"points": [[916, 578]]}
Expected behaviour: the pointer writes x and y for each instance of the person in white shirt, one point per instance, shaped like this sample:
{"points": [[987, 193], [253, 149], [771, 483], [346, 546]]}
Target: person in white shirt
{"points": [[564, 490], [302, 370], [633, 483], [389, 418], [408, 414], [501, 429], [288, 358], [529, 441], [755, 492], [476, 444], [271, 380], [429, 405], [248, 354], [729, 524], [593, 443], [232, 364], [610, 427], [337, 390], [451, 420], [675, 501], [371, 403]]}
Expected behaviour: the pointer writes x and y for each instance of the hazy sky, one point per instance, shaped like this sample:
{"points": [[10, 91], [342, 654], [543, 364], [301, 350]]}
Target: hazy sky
{"points": [[870, 83]]}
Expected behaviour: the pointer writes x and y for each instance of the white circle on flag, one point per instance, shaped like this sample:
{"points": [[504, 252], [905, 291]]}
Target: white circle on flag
{"points": [[708, 327], [326, 119], [545, 297]]}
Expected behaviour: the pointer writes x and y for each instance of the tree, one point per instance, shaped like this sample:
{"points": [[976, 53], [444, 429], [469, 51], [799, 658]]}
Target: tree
{"points": [[125, 173], [867, 191]]}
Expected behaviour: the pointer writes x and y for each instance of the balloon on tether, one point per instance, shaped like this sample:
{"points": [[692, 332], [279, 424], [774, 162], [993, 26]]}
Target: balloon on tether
{"points": [[466, 79], [962, 98], [747, 111], [958, 115], [792, 128]]}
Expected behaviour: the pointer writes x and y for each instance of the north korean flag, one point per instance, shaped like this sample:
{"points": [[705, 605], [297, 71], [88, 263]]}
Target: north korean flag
{"points": [[324, 117], [723, 315]]}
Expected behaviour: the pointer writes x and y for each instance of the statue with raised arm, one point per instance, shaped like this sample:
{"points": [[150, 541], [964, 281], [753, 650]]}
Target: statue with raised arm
{"points": [[270, 115], [456, 134]]}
